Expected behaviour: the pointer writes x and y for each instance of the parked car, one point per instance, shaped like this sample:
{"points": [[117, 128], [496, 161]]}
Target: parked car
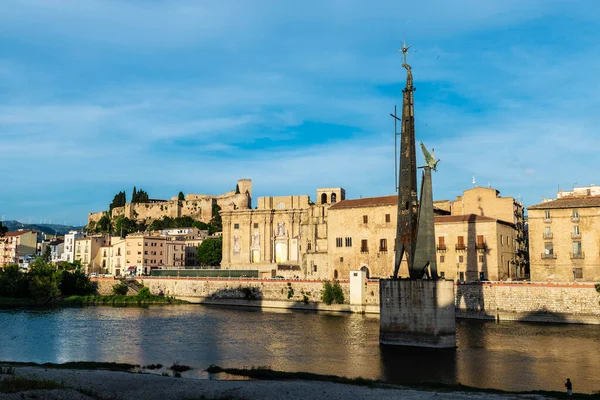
{"points": [[93, 275]]}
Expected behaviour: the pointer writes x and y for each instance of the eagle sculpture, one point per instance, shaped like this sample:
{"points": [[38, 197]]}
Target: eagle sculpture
{"points": [[429, 158]]}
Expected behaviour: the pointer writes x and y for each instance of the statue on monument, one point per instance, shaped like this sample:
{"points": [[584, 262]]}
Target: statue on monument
{"points": [[429, 158]]}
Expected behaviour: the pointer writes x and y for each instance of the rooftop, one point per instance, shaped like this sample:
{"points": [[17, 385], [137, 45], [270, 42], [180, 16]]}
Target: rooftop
{"points": [[568, 202]]}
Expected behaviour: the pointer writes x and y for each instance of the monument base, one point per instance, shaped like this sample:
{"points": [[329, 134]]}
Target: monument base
{"points": [[418, 313]]}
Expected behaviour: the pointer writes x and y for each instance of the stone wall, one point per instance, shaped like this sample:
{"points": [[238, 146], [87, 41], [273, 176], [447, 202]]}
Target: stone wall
{"points": [[560, 303]]}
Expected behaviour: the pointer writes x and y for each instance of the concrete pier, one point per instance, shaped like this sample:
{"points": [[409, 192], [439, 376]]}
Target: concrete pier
{"points": [[418, 313]]}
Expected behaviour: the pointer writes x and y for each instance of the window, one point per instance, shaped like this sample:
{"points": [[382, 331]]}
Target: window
{"points": [[146, 252], [442, 275], [387, 218], [461, 259], [338, 242], [333, 197], [460, 243], [577, 249], [255, 225], [308, 246], [575, 214], [547, 215], [548, 250], [481, 259], [577, 273], [481, 276], [462, 276], [441, 243], [365, 219], [576, 232], [341, 259], [547, 233], [383, 245], [348, 242], [128, 252], [442, 259], [364, 246], [236, 226], [315, 268]]}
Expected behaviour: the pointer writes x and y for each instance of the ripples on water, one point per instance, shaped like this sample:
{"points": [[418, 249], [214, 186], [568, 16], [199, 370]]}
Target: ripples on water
{"points": [[508, 356]]}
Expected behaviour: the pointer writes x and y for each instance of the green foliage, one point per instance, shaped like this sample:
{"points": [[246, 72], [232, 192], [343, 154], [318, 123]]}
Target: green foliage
{"points": [[3, 230], [210, 252], [13, 283], [47, 254], [180, 196], [120, 289], [104, 224], [332, 293], [16, 384], [44, 282], [144, 293], [76, 283], [216, 225], [139, 196], [119, 200], [237, 189], [290, 290], [124, 226]]}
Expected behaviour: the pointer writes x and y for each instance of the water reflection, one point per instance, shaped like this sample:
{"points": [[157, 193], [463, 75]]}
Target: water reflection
{"points": [[510, 356]]}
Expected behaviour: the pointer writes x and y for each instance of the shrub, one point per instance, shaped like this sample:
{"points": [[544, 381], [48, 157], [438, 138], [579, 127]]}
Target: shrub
{"points": [[120, 289], [144, 293], [332, 293]]}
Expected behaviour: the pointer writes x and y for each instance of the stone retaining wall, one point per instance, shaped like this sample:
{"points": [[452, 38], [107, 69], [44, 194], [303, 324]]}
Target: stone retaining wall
{"points": [[539, 302]]}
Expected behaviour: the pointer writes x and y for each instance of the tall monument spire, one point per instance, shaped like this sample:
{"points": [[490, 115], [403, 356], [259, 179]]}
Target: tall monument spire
{"points": [[406, 231]]}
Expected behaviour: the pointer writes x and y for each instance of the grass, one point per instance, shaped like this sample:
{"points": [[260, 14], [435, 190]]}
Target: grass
{"points": [[265, 373], [21, 384], [179, 368], [86, 365], [117, 300]]}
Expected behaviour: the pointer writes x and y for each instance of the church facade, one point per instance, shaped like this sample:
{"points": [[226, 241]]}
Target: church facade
{"points": [[291, 236]]}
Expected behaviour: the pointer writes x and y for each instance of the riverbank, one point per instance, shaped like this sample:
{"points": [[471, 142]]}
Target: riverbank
{"points": [[91, 300], [59, 383]]}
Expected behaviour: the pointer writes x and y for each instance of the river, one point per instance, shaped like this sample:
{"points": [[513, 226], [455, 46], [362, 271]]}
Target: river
{"points": [[507, 356]]}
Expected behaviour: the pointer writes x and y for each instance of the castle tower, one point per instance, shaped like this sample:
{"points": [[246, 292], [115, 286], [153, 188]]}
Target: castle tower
{"points": [[406, 231], [245, 186]]}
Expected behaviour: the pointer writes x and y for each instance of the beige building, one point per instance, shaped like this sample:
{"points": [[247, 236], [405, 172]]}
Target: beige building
{"points": [[292, 236], [564, 238], [16, 245], [88, 251]]}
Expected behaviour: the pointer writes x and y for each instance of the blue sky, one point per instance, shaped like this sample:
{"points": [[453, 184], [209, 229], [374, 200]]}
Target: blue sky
{"points": [[99, 96]]}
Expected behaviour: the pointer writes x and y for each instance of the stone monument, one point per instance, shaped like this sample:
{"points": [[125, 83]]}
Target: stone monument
{"points": [[418, 311]]}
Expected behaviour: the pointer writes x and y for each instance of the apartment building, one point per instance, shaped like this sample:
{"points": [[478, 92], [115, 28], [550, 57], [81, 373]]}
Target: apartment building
{"points": [[17, 245]]}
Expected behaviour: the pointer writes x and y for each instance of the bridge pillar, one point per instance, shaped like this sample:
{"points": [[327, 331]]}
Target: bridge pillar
{"points": [[418, 313]]}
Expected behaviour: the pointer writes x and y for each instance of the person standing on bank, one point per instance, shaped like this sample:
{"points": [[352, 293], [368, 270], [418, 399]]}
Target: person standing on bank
{"points": [[569, 387]]}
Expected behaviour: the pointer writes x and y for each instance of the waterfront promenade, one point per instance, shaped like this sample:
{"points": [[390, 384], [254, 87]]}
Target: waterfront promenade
{"points": [[88, 385]]}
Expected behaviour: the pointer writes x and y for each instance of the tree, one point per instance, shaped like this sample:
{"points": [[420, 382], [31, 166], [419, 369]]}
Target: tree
{"points": [[44, 281], [124, 226], [119, 200], [134, 196], [13, 283], [104, 224], [210, 252], [181, 196], [215, 223], [237, 189], [47, 254], [3, 230]]}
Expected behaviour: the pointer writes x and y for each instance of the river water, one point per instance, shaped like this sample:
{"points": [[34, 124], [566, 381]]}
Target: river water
{"points": [[508, 356]]}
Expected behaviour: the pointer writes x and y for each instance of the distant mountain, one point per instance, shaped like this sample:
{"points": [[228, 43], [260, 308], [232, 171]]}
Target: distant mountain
{"points": [[51, 229]]}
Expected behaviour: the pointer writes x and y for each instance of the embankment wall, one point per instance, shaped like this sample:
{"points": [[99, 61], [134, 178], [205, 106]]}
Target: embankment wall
{"points": [[535, 302]]}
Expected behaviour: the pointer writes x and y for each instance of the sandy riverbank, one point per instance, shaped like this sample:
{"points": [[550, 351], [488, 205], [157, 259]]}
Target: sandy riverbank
{"points": [[100, 384]]}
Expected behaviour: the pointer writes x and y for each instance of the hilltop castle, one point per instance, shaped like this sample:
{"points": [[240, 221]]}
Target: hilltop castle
{"points": [[197, 206]]}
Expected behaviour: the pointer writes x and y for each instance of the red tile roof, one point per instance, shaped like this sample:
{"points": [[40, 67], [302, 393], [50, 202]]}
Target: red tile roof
{"points": [[18, 233], [568, 202], [366, 202]]}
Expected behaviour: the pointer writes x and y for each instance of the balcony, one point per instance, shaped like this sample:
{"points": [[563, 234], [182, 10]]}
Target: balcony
{"points": [[575, 235], [481, 247], [441, 247], [547, 236], [574, 218], [550, 256], [461, 247], [577, 256], [547, 220]]}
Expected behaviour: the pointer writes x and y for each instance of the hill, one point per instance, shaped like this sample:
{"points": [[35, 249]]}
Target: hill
{"points": [[51, 229]]}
